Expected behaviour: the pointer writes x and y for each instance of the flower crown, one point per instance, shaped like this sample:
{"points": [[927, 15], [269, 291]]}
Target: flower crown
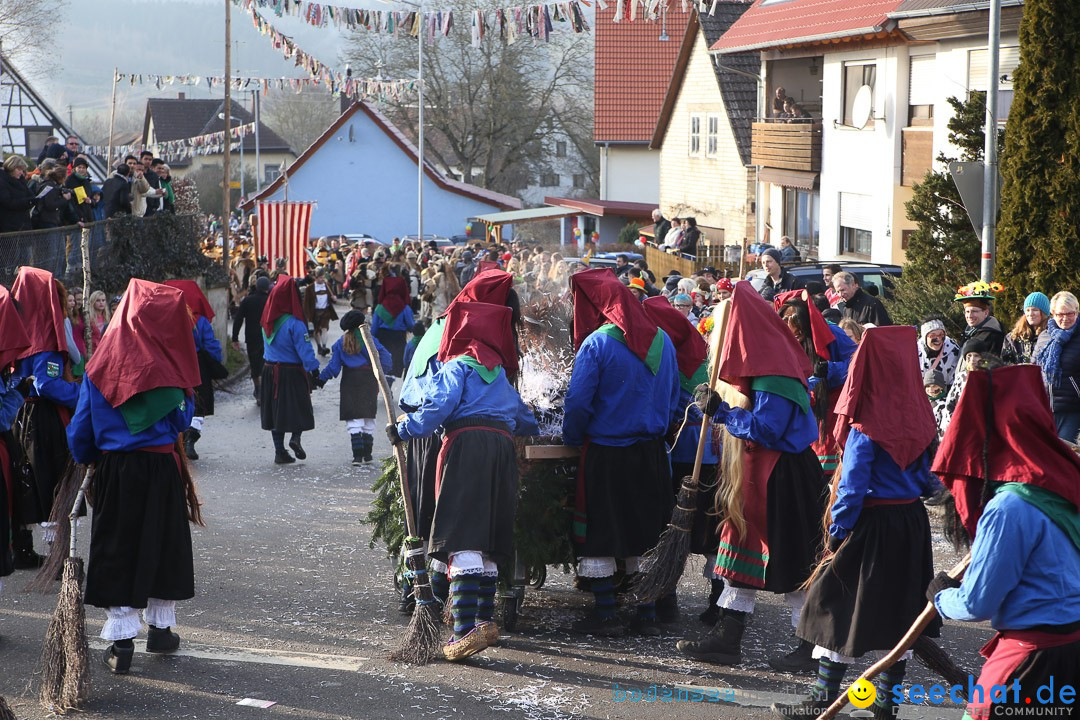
{"points": [[979, 290], [705, 326]]}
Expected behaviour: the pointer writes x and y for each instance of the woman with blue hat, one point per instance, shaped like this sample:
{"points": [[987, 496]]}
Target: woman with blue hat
{"points": [[1019, 344]]}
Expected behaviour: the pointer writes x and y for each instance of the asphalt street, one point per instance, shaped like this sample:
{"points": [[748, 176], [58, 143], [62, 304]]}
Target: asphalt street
{"points": [[293, 607]]}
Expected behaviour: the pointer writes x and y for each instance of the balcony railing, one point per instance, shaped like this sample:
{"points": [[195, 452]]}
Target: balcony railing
{"points": [[787, 146]]}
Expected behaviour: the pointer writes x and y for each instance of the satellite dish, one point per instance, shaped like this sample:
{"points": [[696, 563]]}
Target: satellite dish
{"points": [[862, 107]]}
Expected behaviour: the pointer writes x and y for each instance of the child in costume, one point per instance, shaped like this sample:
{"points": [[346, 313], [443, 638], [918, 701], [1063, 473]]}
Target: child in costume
{"points": [[290, 371], [319, 307], [865, 597], [359, 388], [622, 398], [418, 330], [133, 405], [211, 359], [41, 421], [1017, 492], [393, 319], [772, 493], [471, 397], [13, 342]]}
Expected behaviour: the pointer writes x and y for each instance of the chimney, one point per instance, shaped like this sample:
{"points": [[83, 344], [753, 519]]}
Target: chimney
{"points": [[182, 96]]}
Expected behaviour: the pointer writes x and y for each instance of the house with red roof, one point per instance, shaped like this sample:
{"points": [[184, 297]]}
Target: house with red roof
{"points": [[870, 80], [634, 65]]}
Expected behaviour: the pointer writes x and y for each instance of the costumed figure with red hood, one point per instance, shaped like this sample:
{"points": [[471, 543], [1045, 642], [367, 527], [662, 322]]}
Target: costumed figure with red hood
{"points": [[290, 372], [471, 396], [870, 589], [422, 453], [691, 355], [210, 356], [13, 342], [40, 424], [622, 399], [135, 401], [1016, 487], [319, 307], [830, 351], [359, 387], [771, 493], [392, 319]]}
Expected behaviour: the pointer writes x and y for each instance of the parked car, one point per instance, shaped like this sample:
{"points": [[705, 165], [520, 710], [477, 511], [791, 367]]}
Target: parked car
{"points": [[869, 275], [440, 241], [362, 238]]}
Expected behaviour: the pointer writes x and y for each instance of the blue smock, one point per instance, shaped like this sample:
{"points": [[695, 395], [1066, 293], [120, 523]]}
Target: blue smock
{"points": [[403, 322], [205, 339], [49, 383], [685, 450], [10, 402], [339, 358], [775, 422], [841, 348], [291, 344]]}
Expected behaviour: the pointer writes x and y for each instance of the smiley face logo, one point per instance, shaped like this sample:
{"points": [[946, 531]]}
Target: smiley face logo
{"points": [[862, 693]]}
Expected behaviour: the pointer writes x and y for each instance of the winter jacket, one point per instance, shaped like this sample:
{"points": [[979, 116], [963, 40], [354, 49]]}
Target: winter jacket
{"points": [[116, 196], [15, 203], [771, 288], [1065, 396], [53, 209], [864, 308], [1016, 351], [989, 332], [83, 211]]}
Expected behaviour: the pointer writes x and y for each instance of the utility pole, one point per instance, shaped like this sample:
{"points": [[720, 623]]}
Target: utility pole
{"points": [[420, 132], [71, 119], [990, 154], [112, 123], [226, 184], [258, 161]]}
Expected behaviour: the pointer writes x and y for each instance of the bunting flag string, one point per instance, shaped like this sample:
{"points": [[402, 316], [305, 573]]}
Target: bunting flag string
{"points": [[175, 150], [366, 87], [534, 20]]}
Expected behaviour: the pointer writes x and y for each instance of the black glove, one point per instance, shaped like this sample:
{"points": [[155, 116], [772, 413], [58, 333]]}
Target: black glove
{"points": [[834, 544], [320, 383], [821, 370], [707, 400], [314, 375], [941, 581], [24, 386], [392, 434]]}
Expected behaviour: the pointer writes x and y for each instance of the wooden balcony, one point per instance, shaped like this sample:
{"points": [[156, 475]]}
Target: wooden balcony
{"points": [[918, 154], [787, 146]]}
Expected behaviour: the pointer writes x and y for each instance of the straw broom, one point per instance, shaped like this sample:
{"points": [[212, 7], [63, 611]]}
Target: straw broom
{"points": [[65, 657], [5, 710], [663, 565], [423, 637], [905, 644], [66, 492]]}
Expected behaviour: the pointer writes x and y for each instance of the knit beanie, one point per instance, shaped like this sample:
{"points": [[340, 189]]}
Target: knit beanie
{"points": [[1038, 300]]}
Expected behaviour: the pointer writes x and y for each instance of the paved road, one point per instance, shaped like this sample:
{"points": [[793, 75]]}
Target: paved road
{"points": [[293, 607]]}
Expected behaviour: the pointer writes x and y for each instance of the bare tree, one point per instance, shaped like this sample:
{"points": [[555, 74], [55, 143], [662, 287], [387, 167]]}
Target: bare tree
{"points": [[26, 27], [490, 112], [299, 118]]}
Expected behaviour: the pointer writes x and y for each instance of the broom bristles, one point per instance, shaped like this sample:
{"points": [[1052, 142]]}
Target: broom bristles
{"points": [[662, 567], [66, 492], [930, 654], [5, 710], [422, 638], [65, 656]]}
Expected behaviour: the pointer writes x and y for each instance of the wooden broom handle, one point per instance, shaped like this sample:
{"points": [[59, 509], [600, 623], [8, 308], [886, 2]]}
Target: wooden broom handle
{"points": [[720, 326], [399, 451], [905, 644]]}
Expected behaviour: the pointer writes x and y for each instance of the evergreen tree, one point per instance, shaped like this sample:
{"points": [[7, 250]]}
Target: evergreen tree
{"points": [[1040, 204], [943, 252]]}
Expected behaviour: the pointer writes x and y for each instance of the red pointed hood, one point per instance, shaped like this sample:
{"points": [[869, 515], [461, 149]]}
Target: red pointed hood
{"points": [[14, 339], [690, 348], [194, 297], [284, 300], [147, 345], [758, 343], [394, 294], [490, 286], [883, 395], [482, 331], [1019, 436], [600, 298], [819, 329], [39, 305]]}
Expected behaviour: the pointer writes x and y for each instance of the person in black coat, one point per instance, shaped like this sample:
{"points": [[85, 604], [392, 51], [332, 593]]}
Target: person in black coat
{"points": [[116, 192], [16, 200], [777, 279], [80, 177], [248, 316], [53, 207], [860, 306]]}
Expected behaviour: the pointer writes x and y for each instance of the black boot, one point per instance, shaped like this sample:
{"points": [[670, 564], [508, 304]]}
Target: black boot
{"points": [[798, 660], [723, 644], [22, 549], [161, 640], [191, 436], [118, 656], [358, 445], [297, 448], [407, 602], [712, 613], [369, 446], [282, 457]]}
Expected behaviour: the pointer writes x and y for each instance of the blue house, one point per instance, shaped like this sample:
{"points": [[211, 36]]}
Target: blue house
{"points": [[362, 173]]}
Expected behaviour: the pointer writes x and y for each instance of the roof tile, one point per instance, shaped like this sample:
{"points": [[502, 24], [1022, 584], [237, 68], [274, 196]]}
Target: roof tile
{"points": [[770, 24]]}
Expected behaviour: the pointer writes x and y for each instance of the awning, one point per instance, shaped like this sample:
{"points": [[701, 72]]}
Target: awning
{"points": [[789, 178], [531, 215]]}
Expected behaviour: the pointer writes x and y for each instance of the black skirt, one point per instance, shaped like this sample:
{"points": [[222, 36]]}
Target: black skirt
{"points": [[797, 496], [394, 341], [43, 439], [140, 541], [1058, 665], [286, 398], [875, 585], [7, 489], [478, 491], [422, 461], [359, 393], [705, 533], [628, 499], [204, 394]]}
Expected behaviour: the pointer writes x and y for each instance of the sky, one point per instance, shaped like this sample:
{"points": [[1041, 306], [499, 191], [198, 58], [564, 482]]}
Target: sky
{"points": [[167, 37]]}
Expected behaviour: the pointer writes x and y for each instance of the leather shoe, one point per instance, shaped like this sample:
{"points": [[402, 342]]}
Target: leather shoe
{"points": [[298, 449], [283, 457], [161, 640], [119, 659]]}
